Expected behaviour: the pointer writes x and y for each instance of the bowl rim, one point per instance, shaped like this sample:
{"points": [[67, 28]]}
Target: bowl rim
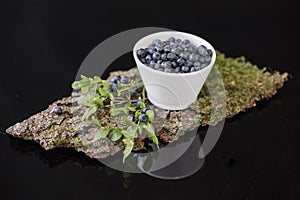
{"points": [[188, 35]]}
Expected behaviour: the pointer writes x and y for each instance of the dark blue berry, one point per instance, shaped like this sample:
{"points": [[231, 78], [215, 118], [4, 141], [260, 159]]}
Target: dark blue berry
{"points": [[193, 57], [156, 66], [115, 79], [141, 53], [180, 61], [171, 39], [207, 59], [151, 50], [145, 110], [188, 63], [148, 58], [156, 56], [113, 87], [143, 60], [168, 70], [210, 53], [138, 103], [202, 50], [185, 69], [192, 69], [167, 64], [177, 69], [159, 62], [197, 64], [57, 111], [124, 79], [174, 64], [132, 92], [143, 118], [167, 48], [171, 56], [164, 56], [83, 130]]}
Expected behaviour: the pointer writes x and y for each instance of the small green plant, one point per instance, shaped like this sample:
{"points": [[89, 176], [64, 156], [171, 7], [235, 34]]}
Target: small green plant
{"points": [[115, 95]]}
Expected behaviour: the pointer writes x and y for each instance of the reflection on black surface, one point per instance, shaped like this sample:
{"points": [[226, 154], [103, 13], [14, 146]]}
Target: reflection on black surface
{"points": [[55, 157]]}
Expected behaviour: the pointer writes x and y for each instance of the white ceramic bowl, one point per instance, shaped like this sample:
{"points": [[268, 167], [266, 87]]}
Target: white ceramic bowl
{"points": [[172, 91]]}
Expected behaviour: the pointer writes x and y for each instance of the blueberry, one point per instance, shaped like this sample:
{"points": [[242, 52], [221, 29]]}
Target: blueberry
{"points": [[124, 94], [175, 50], [186, 41], [174, 64], [157, 41], [57, 111], [143, 60], [167, 48], [138, 103], [197, 68], [180, 61], [202, 50], [201, 59], [83, 130], [113, 87], [145, 110], [159, 62], [178, 41], [156, 56], [156, 66], [143, 118], [185, 69], [171, 56], [193, 57], [148, 58], [141, 53], [188, 63], [159, 48], [168, 70], [184, 55], [164, 56], [192, 69], [171, 39], [177, 69], [207, 59], [151, 50], [197, 64], [210, 53], [152, 63], [132, 92], [167, 64], [124, 79], [115, 79]]}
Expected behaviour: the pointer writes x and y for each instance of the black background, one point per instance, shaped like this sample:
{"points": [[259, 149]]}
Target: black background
{"points": [[43, 44]]}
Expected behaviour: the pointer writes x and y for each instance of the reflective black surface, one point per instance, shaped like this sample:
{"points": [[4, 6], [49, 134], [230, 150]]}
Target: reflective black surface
{"points": [[43, 44]]}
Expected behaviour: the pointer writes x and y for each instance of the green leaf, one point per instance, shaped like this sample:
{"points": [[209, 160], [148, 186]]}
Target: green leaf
{"points": [[133, 130], [76, 85], [85, 89], [131, 108], [150, 115], [111, 96], [83, 77], [98, 101], [150, 132], [102, 92], [116, 134], [140, 128], [90, 111], [102, 133], [126, 120], [96, 121], [129, 143], [142, 105], [137, 114], [116, 111], [144, 94], [128, 134]]}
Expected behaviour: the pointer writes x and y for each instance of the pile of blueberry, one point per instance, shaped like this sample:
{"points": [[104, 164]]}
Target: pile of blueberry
{"points": [[175, 56]]}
